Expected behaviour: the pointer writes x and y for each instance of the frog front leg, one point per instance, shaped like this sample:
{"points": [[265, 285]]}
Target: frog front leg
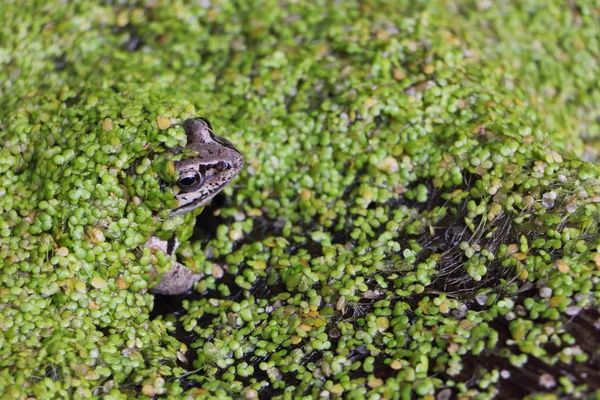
{"points": [[179, 279]]}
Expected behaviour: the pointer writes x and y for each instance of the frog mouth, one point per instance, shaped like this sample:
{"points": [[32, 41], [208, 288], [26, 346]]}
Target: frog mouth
{"points": [[213, 176], [204, 195]]}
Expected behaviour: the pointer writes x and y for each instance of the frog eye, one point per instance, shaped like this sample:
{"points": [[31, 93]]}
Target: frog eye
{"points": [[189, 180]]}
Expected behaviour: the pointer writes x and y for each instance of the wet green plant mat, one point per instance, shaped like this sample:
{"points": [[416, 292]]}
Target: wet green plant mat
{"points": [[417, 218]]}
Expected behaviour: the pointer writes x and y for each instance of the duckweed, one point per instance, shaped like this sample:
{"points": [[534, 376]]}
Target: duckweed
{"points": [[419, 206]]}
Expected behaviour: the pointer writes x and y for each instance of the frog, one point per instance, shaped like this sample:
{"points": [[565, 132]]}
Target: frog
{"points": [[209, 163]]}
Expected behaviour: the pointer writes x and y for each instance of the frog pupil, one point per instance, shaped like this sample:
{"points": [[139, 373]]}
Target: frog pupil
{"points": [[188, 181]]}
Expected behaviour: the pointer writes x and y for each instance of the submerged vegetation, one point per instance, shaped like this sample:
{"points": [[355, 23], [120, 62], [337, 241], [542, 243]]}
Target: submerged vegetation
{"points": [[418, 216]]}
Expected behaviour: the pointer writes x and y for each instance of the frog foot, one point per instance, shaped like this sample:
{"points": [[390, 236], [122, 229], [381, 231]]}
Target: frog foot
{"points": [[176, 281], [179, 279]]}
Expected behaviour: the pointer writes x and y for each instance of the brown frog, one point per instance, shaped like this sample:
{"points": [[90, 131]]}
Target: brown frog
{"points": [[210, 164]]}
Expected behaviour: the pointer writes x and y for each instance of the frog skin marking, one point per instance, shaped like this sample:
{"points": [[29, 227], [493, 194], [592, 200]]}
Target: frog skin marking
{"points": [[211, 166]]}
